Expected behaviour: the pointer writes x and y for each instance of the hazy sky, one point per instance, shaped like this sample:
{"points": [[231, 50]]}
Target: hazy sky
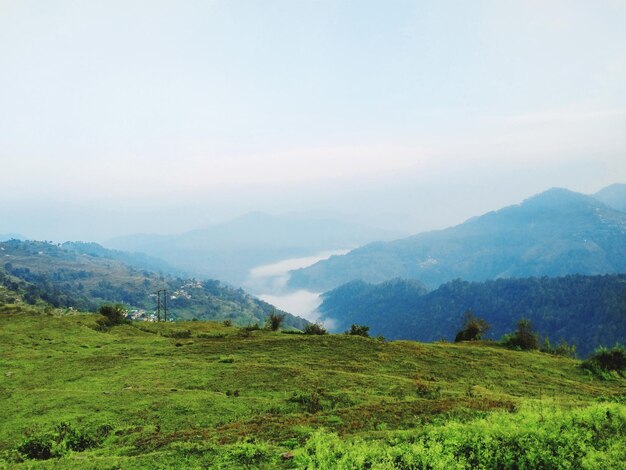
{"points": [[161, 116]]}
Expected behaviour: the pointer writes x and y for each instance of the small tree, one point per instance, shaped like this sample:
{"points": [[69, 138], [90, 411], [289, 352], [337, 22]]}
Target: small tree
{"points": [[359, 330], [523, 338], [275, 320], [473, 328]]}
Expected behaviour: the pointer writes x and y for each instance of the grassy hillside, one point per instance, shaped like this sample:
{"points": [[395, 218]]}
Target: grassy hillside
{"points": [[202, 395], [587, 311], [84, 276]]}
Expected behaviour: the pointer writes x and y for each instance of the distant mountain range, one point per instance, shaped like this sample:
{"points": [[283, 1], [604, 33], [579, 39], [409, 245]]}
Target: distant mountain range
{"points": [[587, 311], [11, 236], [555, 233], [86, 275], [230, 250], [613, 196]]}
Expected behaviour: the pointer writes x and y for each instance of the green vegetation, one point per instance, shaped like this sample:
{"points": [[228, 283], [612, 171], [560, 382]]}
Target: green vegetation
{"points": [[202, 395], [584, 311], [561, 349], [524, 337], [112, 315], [359, 330], [315, 329], [85, 276], [588, 438], [473, 329], [275, 321], [605, 361]]}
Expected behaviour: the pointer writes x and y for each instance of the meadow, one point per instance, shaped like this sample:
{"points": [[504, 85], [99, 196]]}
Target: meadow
{"points": [[205, 395]]}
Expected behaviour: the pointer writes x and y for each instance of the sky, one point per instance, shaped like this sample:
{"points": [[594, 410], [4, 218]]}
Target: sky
{"points": [[128, 116]]}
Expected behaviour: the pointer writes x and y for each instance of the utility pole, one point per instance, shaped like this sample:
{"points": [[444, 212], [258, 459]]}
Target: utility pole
{"points": [[158, 305], [165, 303]]}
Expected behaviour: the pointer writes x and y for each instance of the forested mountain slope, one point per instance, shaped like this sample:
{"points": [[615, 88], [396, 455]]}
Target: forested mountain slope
{"points": [[85, 276], [556, 233], [587, 311]]}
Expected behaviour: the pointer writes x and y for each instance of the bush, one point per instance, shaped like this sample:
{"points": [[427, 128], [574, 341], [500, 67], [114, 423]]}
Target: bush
{"points": [[179, 334], [274, 321], [227, 323], [112, 315], [562, 349], [607, 360], [583, 438], [310, 401], [359, 330], [523, 338], [473, 328], [315, 329], [63, 439], [40, 447]]}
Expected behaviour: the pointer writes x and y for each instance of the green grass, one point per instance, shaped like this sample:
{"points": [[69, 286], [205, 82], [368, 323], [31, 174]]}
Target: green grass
{"points": [[200, 394]]}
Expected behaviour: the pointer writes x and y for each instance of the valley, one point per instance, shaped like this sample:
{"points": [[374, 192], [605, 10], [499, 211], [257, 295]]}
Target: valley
{"points": [[217, 387]]}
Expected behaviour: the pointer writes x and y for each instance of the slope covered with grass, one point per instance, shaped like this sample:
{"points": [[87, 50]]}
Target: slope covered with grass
{"points": [[198, 395]]}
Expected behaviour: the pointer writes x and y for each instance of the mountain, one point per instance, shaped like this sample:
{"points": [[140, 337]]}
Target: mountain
{"points": [[613, 196], [228, 251], [587, 311], [11, 236], [134, 259], [85, 276], [555, 233]]}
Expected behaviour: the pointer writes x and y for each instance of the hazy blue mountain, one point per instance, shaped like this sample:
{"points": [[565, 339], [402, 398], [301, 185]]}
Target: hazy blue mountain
{"points": [[587, 311], [134, 259], [84, 276], [11, 236], [555, 233], [228, 251], [613, 196]]}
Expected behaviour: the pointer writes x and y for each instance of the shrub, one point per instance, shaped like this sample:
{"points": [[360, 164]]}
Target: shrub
{"points": [[607, 360], [227, 323], [310, 401], [427, 390], [274, 321], [112, 315], [179, 334], [315, 329], [246, 331], [473, 328], [248, 455], [40, 447], [523, 338], [63, 439], [582, 438], [562, 349], [359, 330], [211, 335]]}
